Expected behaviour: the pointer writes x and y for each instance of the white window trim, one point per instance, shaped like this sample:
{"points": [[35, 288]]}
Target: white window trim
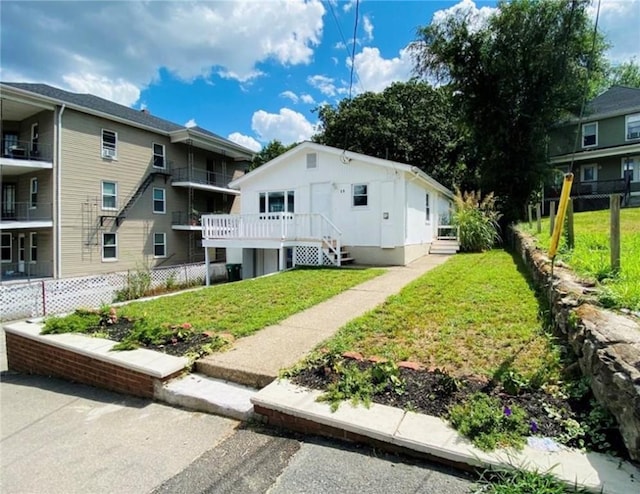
{"points": [[164, 201], [32, 204], [33, 235], [286, 201], [635, 160], [103, 147], [583, 135], [626, 124], [164, 243], [353, 195], [153, 156], [2, 235], [102, 195], [595, 172], [110, 259], [427, 206]]}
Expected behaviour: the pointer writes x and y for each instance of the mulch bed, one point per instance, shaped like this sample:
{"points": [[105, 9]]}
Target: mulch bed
{"points": [[430, 392]]}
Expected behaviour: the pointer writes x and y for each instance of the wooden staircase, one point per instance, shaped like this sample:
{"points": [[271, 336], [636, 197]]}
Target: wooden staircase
{"points": [[345, 255]]}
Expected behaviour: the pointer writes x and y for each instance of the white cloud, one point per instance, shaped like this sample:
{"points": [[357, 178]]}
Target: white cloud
{"points": [[376, 72], [307, 99], [368, 27], [476, 17], [88, 44], [290, 95], [326, 85], [117, 90], [246, 141], [287, 126], [191, 123], [619, 20], [349, 5]]}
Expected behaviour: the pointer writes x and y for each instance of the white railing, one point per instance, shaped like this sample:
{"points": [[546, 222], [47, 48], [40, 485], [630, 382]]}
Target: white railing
{"points": [[281, 226], [448, 232]]}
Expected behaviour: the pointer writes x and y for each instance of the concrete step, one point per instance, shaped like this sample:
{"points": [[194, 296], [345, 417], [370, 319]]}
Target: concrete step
{"points": [[205, 394], [444, 247], [233, 373]]}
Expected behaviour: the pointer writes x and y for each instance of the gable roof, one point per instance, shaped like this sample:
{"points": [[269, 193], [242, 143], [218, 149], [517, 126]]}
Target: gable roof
{"points": [[94, 104], [346, 157], [615, 100]]}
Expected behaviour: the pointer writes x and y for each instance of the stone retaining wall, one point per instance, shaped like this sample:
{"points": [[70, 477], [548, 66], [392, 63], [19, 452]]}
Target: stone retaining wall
{"points": [[606, 343]]}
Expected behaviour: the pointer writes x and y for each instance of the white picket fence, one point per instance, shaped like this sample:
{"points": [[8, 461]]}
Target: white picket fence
{"points": [[46, 297]]}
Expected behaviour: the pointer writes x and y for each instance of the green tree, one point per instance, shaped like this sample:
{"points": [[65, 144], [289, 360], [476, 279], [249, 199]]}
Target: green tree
{"points": [[272, 150], [512, 76], [625, 74], [409, 122]]}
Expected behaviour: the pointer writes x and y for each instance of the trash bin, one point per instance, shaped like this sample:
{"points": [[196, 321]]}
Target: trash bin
{"points": [[234, 272]]}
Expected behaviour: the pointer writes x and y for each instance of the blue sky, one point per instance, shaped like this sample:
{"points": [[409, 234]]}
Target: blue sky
{"points": [[251, 71]]}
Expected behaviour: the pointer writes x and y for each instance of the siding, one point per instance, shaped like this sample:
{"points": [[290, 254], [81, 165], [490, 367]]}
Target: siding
{"points": [[611, 132]]}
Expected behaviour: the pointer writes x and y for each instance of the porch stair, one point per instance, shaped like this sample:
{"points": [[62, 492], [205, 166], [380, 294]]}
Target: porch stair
{"points": [[444, 247], [345, 255]]}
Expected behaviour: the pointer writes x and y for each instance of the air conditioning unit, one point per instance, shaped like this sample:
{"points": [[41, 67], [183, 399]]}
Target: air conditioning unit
{"points": [[108, 153], [633, 135]]}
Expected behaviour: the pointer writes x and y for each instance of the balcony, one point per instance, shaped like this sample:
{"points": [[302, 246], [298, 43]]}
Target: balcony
{"points": [[19, 157], [23, 215], [198, 178], [181, 220], [599, 188], [25, 270]]}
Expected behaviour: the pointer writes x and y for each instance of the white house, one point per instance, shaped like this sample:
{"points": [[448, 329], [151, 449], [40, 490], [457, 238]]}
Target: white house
{"points": [[316, 205]]}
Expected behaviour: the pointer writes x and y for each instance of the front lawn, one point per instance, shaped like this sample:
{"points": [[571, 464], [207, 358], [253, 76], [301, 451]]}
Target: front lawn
{"points": [[474, 315], [237, 309], [591, 256]]}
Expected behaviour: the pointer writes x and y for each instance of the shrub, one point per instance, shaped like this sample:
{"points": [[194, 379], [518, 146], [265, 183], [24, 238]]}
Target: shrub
{"points": [[138, 284], [477, 220]]}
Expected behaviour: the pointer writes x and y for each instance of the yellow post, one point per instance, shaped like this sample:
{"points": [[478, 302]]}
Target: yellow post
{"points": [[562, 209]]}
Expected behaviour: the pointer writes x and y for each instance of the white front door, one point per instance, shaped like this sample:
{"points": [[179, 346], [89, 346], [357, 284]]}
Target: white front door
{"points": [[21, 253], [320, 203], [387, 215]]}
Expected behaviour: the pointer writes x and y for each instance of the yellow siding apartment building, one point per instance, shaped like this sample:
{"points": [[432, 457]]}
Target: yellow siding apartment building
{"points": [[89, 186]]}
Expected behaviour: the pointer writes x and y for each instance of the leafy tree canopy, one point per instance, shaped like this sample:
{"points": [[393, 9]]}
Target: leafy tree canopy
{"points": [[272, 150], [512, 75], [409, 122], [625, 74]]}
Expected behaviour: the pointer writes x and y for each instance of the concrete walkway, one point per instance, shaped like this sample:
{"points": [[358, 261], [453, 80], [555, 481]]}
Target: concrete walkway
{"points": [[256, 360]]}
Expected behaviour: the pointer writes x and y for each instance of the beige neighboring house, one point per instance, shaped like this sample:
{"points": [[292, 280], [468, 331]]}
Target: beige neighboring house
{"points": [[89, 186]]}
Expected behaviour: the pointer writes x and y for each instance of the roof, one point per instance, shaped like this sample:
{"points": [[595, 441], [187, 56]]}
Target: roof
{"points": [[96, 104], [346, 157], [615, 100]]}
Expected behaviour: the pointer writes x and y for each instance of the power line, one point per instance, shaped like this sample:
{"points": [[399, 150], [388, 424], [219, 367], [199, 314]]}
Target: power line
{"points": [[353, 48]]}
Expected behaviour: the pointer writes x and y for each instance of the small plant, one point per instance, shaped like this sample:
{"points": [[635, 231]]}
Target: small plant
{"points": [[488, 424], [170, 283], [138, 284], [522, 482], [78, 322], [477, 219]]}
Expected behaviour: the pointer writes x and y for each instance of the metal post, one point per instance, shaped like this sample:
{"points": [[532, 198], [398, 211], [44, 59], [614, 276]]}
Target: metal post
{"points": [[614, 201], [206, 266], [552, 216]]}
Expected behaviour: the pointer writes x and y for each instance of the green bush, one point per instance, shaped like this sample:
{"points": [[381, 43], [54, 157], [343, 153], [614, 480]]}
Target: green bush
{"points": [[477, 220], [78, 322], [488, 424]]}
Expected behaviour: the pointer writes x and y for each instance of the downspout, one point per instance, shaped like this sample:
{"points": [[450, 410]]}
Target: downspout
{"points": [[58, 271]]}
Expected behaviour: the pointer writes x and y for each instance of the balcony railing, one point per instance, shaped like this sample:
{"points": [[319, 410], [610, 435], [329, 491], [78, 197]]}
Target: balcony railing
{"points": [[200, 176], [27, 150], [22, 270], [282, 226], [24, 211], [590, 189]]}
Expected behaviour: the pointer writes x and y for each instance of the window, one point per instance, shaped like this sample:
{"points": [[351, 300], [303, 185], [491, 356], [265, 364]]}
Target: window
{"points": [[109, 195], [109, 144], [312, 161], [632, 126], [33, 203], [5, 247], [277, 202], [159, 245], [590, 135], [427, 207], [588, 173], [158, 156], [360, 195], [33, 245], [109, 246], [159, 201], [631, 168], [35, 136]]}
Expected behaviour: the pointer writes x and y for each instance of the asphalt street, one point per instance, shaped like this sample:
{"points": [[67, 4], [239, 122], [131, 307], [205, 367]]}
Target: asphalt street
{"points": [[61, 437]]}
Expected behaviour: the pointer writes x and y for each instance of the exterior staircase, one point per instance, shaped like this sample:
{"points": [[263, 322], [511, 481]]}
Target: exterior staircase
{"points": [[444, 247], [330, 250]]}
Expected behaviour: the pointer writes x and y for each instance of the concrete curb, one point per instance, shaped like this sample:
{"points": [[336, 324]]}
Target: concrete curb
{"points": [[434, 437]]}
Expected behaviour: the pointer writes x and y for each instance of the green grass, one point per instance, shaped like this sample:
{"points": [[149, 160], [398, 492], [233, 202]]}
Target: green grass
{"points": [[524, 482], [591, 256], [474, 315], [239, 308]]}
